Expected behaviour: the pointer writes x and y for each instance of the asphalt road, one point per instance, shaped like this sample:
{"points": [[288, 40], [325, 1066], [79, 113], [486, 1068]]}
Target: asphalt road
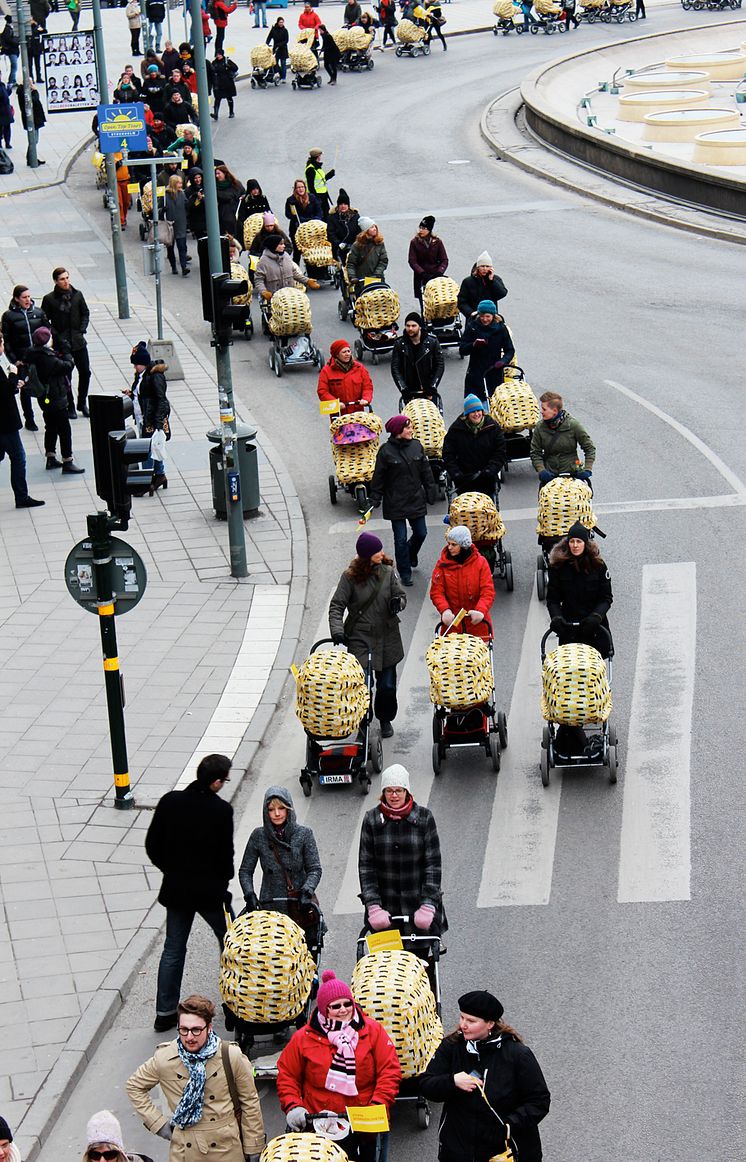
{"points": [[607, 919]]}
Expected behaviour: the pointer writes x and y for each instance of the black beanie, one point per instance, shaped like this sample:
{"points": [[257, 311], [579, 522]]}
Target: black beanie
{"points": [[427, 222], [272, 242], [343, 198], [579, 532], [5, 1134], [481, 1004], [414, 317], [140, 356]]}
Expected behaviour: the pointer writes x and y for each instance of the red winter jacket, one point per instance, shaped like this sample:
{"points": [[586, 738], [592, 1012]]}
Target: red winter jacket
{"points": [[304, 1064], [222, 11], [346, 386], [464, 585], [309, 20]]}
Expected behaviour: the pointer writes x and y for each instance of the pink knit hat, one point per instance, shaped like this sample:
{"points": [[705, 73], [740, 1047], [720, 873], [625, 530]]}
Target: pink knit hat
{"points": [[331, 990]]}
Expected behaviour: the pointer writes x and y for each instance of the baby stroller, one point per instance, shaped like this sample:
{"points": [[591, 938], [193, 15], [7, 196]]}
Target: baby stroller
{"points": [[269, 973], [355, 46], [376, 314], [400, 987], [481, 515], [287, 318], [240, 311], [618, 11], [510, 18], [264, 70], [304, 65], [427, 423], [440, 311], [350, 289], [462, 690], [516, 409], [549, 15], [576, 704], [335, 704], [562, 502], [412, 39], [354, 449], [311, 239], [590, 10]]}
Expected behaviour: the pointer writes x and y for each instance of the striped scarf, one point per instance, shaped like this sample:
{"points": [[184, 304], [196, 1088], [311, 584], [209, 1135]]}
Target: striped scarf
{"points": [[189, 1110], [343, 1036]]}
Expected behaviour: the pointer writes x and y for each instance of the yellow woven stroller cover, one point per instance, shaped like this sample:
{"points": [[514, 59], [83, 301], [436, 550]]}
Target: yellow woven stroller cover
{"points": [[377, 308], [393, 987], [331, 697], [479, 514], [427, 425], [575, 688], [355, 463], [408, 32], [252, 226], [262, 57], [563, 501], [504, 9], [459, 668], [302, 1148], [311, 239], [291, 312], [237, 271], [440, 295], [514, 406], [302, 60], [266, 970]]}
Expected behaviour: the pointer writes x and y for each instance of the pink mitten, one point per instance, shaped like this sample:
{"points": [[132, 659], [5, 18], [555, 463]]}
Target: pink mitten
{"points": [[378, 918], [424, 917]]}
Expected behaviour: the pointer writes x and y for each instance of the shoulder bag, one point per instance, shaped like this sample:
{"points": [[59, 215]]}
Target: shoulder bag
{"points": [[508, 1154], [230, 1078], [305, 916]]}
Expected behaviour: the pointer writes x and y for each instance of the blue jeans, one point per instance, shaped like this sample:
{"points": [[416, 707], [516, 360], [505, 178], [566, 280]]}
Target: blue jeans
{"points": [[181, 246], [13, 62], [11, 445], [405, 548], [260, 7], [171, 968], [156, 32]]}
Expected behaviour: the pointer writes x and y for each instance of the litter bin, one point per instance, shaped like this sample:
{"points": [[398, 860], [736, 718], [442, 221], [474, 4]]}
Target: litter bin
{"points": [[248, 467]]}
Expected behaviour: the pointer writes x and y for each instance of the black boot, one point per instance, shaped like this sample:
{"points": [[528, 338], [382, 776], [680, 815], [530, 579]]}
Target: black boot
{"points": [[70, 468]]}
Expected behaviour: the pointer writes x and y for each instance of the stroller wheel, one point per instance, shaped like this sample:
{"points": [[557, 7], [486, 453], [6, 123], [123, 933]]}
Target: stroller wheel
{"points": [[361, 498], [333, 489], [294, 84], [253, 83], [508, 572], [495, 751], [375, 749], [359, 350], [541, 578], [613, 764], [400, 52], [437, 758], [502, 729], [364, 783], [544, 767], [305, 782], [369, 64], [342, 311], [423, 1115], [276, 80], [318, 82]]}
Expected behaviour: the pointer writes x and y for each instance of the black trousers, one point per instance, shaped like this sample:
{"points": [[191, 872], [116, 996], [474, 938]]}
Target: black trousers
{"points": [[388, 34], [83, 364], [135, 41], [436, 30], [218, 102], [57, 427], [219, 38], [26, 405]]}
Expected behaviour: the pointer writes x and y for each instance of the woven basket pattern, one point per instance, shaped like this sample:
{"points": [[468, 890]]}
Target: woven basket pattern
{"points": [[575, 689], [305, 36], [311, 233], [479, 514], [355, 463], [302, 1148], [319, 256], [459, 668], [266, 970], [561, 502], [237, 271], [251, 228], [146, 198], [392, 987], [427, 424], [514, 406], [352, 38], [409, 33], [503, 9], [592, 3], [377, 308], [331, 697], [291, 312], [302, 59], [440, 296], [547, 7], [262, 57]]}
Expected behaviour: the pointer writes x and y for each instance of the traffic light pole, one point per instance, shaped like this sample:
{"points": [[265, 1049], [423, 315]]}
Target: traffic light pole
{"points": [[100, 534], [233, 502], [112, 197]]}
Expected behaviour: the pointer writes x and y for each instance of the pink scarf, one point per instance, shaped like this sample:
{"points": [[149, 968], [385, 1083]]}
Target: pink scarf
{"points": [[344, 1038]]}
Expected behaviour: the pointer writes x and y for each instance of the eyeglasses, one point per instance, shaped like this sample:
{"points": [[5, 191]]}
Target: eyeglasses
{"points": [[340, 1005], [109, 1155], [192, 1031]]}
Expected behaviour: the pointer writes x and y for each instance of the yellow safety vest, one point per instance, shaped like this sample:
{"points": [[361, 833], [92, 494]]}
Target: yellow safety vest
{"points": [[319, 180]]}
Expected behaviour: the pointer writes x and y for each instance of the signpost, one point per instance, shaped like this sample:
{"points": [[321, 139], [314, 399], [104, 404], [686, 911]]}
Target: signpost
{"points": [[128, 580], [122, 128]]}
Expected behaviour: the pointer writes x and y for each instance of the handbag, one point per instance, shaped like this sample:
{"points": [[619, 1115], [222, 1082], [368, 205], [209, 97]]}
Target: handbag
{"points": [[230, 1078], [306, 916], [508, 1154], [165, 232]]}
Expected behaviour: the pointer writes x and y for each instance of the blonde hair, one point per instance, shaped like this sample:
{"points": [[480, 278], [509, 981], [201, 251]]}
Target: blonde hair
{"points": [[174, 184]]}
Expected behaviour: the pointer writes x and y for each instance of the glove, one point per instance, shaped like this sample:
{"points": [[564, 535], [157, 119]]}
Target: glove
{"points": [[304, 897], [296, 1118], [378, 917], [330, 173], [583, 474], [312, 284], [165, 1132], [475, 616], [590, 623], [557, 623], [252, 903], [395, 605], [499, 365], [545, 476], [447, 616], [266, 295], [424, 917], [338, 639]]}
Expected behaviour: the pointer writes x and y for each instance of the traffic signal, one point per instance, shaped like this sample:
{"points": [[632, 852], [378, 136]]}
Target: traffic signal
{"points": [[224, 311], [204, 272], [126, 453]]}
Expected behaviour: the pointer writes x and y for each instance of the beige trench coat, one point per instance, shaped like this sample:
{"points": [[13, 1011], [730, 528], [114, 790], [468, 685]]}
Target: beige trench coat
{"points": [[217, 1133]]}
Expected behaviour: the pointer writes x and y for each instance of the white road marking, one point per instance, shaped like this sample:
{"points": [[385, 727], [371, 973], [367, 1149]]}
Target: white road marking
{"points": [[655, 856], [519, 856]]}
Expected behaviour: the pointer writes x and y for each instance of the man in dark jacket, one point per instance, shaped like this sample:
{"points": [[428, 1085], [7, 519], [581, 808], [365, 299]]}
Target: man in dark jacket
{"points": [[68, 313], [190, 840], [343, 226], [403, 480], [10, 46], [155, 11], [482, 283], [474, 449], [417, 361], [11, 444], [35, 49], [178, 112], [153, 90], [18, 324], [177, 84], [487, 342]]}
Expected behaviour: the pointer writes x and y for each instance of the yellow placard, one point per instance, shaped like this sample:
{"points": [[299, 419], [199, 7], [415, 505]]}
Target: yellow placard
{"points": [[133, 188], [295, 671], [368, 1119], [458, 619], [388, 941], [365, 517], [329, 407]]}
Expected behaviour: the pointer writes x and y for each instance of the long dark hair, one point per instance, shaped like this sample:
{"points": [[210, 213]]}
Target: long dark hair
{"points": [[589, 560], [501, 1027], [360, 568]]}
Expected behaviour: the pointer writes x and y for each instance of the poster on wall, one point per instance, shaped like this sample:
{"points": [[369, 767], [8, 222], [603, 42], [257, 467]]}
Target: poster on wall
{"points": [[70, 72]]}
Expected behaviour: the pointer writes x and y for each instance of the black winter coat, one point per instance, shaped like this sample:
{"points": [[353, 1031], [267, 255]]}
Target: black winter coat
{"points": [[10, 419], [196, 213], [403, 479], [153, 399], [377, 625], [153, 92], [296, 849], [514, 1086], [18, 327], [228, 199], [69, 324], [469, 452], [54, 370], [399, 864], [342, 229], [190, 840], [248, 206], [417, 368], [483, 373], [40, 117], [278, 39], [574, 596], [473, 289], [223, 74]]}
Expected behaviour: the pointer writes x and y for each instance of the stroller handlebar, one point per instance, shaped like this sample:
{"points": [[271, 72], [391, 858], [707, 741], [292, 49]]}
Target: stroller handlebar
{"points": [[574, 625]]}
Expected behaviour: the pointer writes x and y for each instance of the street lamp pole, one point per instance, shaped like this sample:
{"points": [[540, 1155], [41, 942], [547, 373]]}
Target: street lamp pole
{"points": [[22, 12], [234, 506], [112, 198]]}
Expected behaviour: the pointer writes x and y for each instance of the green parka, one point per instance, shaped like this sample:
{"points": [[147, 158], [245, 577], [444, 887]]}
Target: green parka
{"points": [[557, 448]]}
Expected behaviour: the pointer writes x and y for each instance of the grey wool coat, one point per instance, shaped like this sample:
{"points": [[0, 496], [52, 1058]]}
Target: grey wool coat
{"points": [[399, 863], [297, 850], [377, 625]]}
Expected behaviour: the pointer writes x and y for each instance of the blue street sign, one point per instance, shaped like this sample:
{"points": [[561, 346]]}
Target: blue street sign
{"points": [[122, 127]]}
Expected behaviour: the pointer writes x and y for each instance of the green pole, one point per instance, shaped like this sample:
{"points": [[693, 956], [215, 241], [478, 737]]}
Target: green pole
{"points": [[100, 534], [112, 199], [32, 158], [236, 536]]}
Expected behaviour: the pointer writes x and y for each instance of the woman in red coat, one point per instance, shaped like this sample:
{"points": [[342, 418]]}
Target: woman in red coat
{"points": [[345, 379], [462, 579], [340, 1058]]}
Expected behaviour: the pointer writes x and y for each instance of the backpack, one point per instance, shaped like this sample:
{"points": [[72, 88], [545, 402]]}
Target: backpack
{"points": [[6, 165], [212, 10]]}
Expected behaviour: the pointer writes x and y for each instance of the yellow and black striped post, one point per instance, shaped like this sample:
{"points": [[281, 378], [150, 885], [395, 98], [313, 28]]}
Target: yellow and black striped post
{"points": [[99, 531]]}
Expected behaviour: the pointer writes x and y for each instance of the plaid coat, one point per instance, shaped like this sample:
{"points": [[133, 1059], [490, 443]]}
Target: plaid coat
{"points": [[399, 864]]}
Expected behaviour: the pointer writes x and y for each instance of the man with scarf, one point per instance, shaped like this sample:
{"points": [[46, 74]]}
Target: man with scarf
{"points": [[202, 1118], [68, 313], [474, 449], [340, 1058], [555, 440], [487, 342]]}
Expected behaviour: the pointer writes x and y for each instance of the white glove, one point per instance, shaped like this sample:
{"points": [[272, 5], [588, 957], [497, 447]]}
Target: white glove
{"points": [[447, 616], [475, 616], [165, 1132], [296, 1118]]}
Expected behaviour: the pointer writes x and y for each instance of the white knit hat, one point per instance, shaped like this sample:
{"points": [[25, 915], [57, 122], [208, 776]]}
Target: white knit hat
{"points": [[484, 259], [395, 776], [104, 1127], [460, 535], [365, 224]]}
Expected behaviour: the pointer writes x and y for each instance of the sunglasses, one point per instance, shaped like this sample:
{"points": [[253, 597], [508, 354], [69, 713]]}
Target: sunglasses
{"points": [[109, 1155], [339, 1005]]}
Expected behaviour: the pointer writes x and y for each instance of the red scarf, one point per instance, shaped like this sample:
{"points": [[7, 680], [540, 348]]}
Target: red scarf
{"points": [[397, 812]]}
